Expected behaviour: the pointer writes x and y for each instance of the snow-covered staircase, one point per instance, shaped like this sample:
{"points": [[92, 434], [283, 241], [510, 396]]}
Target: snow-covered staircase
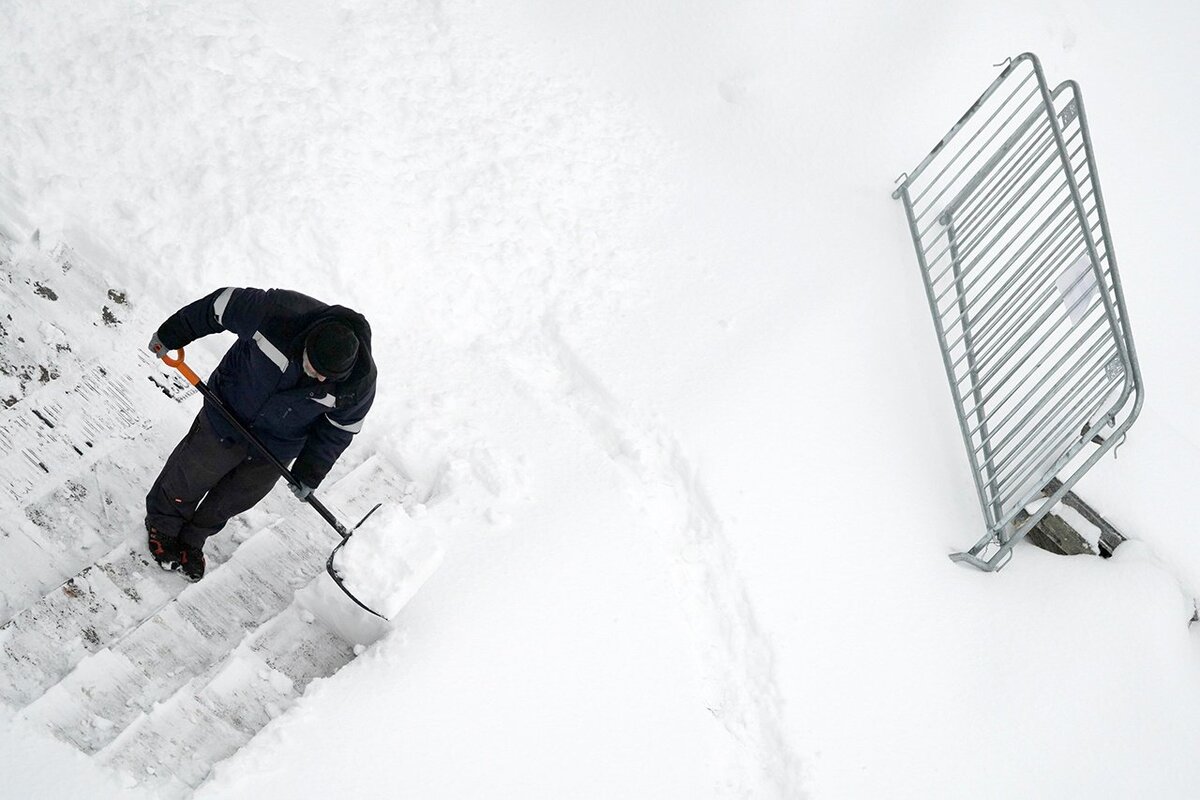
{"points": [[110, 688], [175, 745], [152, 675]]}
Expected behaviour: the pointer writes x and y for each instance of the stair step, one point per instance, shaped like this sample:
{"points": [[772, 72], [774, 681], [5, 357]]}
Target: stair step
{"points": [[64, 427], [163, 756]]}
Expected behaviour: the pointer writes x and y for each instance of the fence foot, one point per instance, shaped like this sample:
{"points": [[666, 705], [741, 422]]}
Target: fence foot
{"points": [[993, 564]]}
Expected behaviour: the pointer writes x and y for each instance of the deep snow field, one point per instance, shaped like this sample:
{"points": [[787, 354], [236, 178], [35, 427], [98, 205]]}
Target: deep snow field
{"points": [[646, 314]]}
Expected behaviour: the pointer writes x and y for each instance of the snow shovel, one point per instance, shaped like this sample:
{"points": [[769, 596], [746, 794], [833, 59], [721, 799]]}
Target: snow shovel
{"points": [[320, 508]]}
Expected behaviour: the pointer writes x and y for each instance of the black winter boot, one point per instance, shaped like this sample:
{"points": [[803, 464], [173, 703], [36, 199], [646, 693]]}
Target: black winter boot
{"points": [[163, 549], [191, 561]]}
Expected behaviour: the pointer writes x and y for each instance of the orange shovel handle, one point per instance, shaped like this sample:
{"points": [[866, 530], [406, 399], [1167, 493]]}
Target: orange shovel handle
{"points": [[183, 368]]}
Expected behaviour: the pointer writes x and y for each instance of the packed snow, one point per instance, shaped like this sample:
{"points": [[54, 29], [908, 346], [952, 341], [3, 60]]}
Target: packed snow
{"points": [[387, 560], [655, 358]]}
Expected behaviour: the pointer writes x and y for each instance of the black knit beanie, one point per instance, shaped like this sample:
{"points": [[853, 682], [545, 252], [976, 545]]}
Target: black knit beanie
{"points": [[332, 348]]}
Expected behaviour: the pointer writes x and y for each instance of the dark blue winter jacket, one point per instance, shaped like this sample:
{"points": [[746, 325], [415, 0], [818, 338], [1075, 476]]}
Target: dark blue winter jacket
{"points": [[261, 379]]}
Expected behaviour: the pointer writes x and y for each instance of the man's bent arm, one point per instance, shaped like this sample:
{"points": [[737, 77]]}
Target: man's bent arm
{"points": [[227, 309], [328, 439]]}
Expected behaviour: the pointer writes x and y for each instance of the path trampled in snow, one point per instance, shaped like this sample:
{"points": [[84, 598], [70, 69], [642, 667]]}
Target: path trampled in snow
{"points": [[738, 668]]}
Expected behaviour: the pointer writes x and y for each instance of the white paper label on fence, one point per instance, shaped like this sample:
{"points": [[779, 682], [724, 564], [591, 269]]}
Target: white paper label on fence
{"points": [[1077, 285]]}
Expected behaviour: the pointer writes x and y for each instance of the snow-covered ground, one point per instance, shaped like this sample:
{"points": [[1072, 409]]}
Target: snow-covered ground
{"points": [[651, 335]]}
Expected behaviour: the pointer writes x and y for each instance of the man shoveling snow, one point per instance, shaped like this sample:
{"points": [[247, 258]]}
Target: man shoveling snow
{"points": [[300, 379]]}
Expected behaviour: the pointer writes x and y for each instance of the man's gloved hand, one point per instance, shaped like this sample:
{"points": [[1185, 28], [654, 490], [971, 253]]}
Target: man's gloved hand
{"points": [[300, 490], [157, 347]]}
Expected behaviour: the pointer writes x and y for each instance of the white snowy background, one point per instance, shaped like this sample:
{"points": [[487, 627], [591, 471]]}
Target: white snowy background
{"points": [[636, 277]]}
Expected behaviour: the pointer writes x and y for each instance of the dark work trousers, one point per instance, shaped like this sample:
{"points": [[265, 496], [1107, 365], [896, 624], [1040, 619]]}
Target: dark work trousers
{"points": [[204, 483]]}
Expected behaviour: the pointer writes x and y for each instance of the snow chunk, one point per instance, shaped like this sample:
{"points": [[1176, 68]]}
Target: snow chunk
{"points": [[281, 683], [388, 559]]}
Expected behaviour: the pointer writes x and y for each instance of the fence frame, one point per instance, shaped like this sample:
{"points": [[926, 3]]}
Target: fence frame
{"points": [[1024, 160]]}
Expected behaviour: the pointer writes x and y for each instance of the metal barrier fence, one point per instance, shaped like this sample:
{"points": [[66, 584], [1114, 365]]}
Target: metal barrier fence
{"points": [[1013, 244]]}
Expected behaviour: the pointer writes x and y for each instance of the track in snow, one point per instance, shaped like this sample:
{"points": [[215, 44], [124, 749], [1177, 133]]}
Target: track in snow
{"points": [[736, 656]]}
